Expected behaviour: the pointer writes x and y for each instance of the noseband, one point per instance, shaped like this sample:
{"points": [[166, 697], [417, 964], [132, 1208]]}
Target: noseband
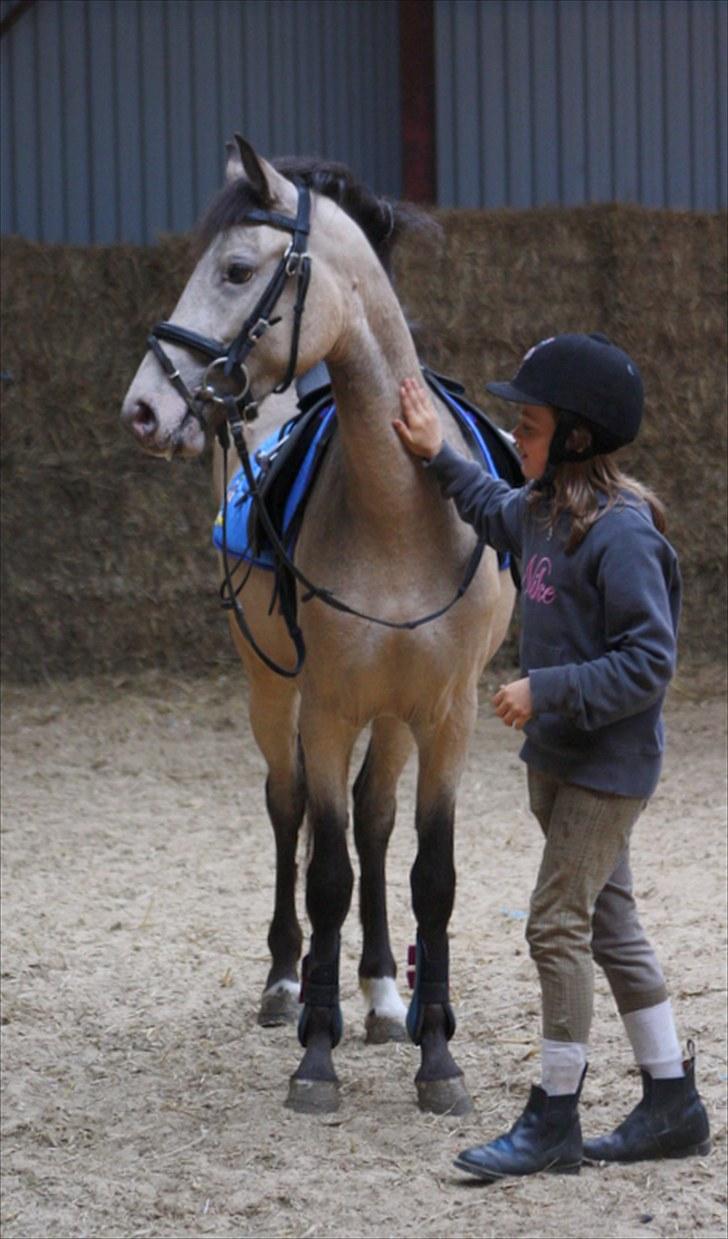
{"points": [[230, 358]]}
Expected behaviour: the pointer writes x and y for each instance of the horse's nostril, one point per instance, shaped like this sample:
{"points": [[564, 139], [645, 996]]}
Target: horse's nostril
{"points": [[143, 420]]}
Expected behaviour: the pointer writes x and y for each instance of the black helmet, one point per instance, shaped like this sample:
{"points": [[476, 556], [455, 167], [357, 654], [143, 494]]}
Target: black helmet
{"points": [[587, 377]]}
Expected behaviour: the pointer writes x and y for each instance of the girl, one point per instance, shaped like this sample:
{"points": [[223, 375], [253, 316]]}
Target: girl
{"points": [[599, 605]]}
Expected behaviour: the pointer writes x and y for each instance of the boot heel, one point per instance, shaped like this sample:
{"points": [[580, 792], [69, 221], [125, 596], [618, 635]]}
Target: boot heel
{"points": [[694, 1150], [572, 1168]]}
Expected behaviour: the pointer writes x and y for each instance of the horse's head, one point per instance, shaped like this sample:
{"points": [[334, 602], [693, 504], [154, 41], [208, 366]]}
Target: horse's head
{"points": [[239, 326]]}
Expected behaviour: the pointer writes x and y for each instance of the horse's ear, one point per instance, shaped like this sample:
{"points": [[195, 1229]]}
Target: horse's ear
{"points": [[234, 169], [268, 184], [243, 161]]}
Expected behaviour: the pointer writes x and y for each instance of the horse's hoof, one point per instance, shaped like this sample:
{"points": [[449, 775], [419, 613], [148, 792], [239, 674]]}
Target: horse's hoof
{"points": [[312, 1096], [444, 1096], [279, 1005], [382, 1028]]}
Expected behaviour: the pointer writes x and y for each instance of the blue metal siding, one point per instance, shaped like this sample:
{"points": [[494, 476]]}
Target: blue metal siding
{"points": [[574, 101], [115, 112]]}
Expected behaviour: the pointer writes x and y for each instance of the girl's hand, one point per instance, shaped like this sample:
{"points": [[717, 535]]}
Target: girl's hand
{"points": [[513, 703], [419, 427]]}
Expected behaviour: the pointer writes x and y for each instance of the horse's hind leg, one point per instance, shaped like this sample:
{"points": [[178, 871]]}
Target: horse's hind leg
{"points": [[374, 811], [274, 719], [430, 1019]]}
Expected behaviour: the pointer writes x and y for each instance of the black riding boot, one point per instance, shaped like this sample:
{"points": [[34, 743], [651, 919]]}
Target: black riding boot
{"points": [[670, 1121], [547, 1136]]}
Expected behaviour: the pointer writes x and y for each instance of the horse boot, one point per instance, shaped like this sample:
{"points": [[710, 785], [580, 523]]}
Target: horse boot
{"points": [[546, 1137], [314, 1086], [669, 1121], [430, 1025]]}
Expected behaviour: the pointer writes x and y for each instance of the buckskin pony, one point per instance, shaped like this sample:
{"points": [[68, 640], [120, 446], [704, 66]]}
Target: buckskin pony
{"points": [[288, 278]]}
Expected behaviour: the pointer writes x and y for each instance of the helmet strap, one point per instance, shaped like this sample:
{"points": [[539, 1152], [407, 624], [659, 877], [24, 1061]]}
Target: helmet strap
{"points": [[560, 454]]}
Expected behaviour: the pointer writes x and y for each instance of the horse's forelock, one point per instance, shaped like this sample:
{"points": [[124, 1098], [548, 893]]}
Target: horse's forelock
{"points": [[227, 209]]}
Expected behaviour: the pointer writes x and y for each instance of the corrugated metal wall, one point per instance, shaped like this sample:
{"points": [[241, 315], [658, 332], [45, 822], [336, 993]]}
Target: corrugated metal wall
{"points": [[572, 101], [115, 112]]}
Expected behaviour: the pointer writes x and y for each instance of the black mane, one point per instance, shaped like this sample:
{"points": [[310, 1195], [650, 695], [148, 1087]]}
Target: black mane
{"points": [[382, 221]]}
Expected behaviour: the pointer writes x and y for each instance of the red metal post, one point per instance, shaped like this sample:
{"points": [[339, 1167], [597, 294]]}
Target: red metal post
{"points": [[417, 96]]}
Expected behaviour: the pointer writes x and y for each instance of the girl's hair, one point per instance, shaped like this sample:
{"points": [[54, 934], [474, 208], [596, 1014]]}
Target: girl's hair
{"points": [[576, 489]]}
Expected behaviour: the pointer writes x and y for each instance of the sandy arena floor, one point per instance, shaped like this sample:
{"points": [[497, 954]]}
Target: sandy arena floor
{"points": [[140, 1098]]}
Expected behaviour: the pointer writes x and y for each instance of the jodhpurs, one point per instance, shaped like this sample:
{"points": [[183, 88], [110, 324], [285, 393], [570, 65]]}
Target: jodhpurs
{"points": [[583, 908]]}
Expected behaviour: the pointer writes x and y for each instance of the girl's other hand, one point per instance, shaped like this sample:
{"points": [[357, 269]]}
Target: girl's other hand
{"points": [[419, 426], [513, 704]]}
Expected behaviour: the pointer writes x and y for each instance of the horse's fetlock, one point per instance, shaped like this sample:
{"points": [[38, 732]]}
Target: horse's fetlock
{"points": [[285, 941], [320, 1026]]}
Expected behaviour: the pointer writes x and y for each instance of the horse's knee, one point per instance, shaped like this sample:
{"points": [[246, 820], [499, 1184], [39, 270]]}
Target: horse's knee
{"points": [[285, 795], [330, 877], [373, 821]]}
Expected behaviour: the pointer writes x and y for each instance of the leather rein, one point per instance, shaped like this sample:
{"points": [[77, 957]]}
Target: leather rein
{"points": [[241, 407]]}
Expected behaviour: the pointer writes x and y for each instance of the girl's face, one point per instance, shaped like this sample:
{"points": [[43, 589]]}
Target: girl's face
{"points": [[533, 436]]}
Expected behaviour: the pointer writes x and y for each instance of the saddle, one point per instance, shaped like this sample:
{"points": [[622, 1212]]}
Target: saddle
{"points": [[286, 465]]}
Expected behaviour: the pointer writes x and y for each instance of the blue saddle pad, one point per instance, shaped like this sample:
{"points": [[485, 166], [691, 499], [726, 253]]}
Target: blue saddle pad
{"points": [[240, 500]]}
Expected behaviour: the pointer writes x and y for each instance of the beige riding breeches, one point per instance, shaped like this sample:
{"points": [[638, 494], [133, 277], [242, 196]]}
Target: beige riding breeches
{"points": [[583, 907]]}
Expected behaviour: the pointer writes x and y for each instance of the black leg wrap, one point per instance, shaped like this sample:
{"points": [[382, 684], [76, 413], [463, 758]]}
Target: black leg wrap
{"points": [[320, 988], [431, 987]]}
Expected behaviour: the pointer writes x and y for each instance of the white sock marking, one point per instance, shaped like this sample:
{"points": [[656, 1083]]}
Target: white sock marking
{"points": [[382, 996], [279, 987]]}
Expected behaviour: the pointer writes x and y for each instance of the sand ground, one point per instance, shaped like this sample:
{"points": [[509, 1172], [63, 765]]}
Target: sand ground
{"points": [[140, 1098]]}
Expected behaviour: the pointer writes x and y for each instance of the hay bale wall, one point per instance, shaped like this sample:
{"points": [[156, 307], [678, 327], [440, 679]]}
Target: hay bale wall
{"points": [[107, 563]]}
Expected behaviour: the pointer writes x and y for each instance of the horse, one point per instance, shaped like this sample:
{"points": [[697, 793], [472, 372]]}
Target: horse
{"points": [[382, 222], [378, 534]]}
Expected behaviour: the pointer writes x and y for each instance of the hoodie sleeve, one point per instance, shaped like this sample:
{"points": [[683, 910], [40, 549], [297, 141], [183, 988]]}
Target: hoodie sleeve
{"points": [[639, 582], [493, 508]]}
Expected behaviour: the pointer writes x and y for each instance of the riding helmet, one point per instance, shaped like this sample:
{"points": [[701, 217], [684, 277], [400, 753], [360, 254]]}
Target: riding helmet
{"points": [[585, 379]]}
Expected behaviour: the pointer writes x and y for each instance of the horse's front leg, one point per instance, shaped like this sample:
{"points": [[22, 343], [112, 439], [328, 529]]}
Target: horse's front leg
{"points": [[430, 1019], [274, 721], [327, 744], [374, 812]]}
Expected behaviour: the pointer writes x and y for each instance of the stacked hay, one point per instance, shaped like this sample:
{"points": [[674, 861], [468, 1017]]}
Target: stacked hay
{"points": [[107, 562]]}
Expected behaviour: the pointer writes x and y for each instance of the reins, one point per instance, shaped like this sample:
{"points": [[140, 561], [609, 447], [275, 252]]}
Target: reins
{"points": [[238, 410]]}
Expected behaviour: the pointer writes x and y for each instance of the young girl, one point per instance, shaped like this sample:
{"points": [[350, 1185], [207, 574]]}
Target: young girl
{"points": [[599, 607]]}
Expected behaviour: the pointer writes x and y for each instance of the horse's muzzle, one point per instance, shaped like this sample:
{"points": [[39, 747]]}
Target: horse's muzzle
{"points": [[140, 418]]}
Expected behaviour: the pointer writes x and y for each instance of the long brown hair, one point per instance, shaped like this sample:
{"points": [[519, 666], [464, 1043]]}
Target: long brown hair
{"points": [[576, 491]]}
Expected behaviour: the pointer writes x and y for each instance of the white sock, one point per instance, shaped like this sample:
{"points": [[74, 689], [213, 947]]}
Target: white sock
{"points": [[562, 1066], [654, 1040]]}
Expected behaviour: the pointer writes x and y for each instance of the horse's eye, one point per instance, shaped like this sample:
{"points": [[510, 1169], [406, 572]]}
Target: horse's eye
{"points": [[238, 273]]}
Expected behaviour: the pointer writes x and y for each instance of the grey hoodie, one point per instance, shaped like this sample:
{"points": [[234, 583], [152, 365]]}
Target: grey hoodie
{"points": [[598, 629]]}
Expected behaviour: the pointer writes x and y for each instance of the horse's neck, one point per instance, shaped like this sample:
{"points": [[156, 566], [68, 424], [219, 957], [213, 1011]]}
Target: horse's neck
{"points": [[374, 355]]}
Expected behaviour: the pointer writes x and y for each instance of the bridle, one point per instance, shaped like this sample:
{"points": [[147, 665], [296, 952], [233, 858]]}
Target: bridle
{"points": [[230, 358], [242, 407]]}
